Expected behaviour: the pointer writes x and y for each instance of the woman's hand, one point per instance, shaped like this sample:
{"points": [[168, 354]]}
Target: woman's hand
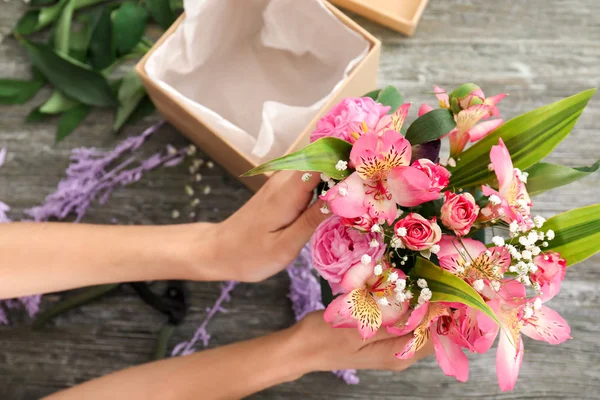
{"points": [[328, 349], [267, 233]]}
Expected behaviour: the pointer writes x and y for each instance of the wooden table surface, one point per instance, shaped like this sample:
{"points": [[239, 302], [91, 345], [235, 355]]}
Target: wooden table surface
{"points": [[537, 50]]}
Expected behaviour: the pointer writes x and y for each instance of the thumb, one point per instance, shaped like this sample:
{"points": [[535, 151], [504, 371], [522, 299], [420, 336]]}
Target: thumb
{"points": [[305, 225]]}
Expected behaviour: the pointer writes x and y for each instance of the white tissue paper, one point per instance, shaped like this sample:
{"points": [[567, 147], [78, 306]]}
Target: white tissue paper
{"points": [[256, 71]]}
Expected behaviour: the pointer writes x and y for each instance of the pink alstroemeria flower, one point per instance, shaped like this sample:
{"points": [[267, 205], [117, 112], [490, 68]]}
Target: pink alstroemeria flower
{"points": [[512, 202], [435, 321], [373, 156], [467, 126], [419, 183], [519, 315], [370, 301], [471, 260]]}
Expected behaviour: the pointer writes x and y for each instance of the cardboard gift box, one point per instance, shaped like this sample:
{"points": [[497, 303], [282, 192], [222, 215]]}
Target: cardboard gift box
{"points": [[400, 15], [248, 81]]}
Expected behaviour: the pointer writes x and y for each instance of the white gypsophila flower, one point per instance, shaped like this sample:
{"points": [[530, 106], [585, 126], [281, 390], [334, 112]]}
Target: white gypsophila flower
{"points": [[341, 165], [378, 269], [537, 303], [424, 296], [376, 228], [400, 297], [435, 249], [550, 234], [533, 268], [478, 285], [538, 220], [451, 162], [545, 244], [323, 192], [399, 213], [422, 283], [524, 241], [527, 311], [396, 243], [400, 285], [325, 178], [342, 191], [490, 167], [374, 243], [514, 226], [365, 259], [535, 250], [495, 200], [532, 237], [408, 294], [401, 232], [526, 254], [498, 240], [330, 184], [495, 285], [306, 177], [393, 277], [383, 301], [324, 210]]}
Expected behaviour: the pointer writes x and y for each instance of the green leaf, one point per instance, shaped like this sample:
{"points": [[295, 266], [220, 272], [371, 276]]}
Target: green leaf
{"points": [[131, 93], [529, 138], [577, 233], [390, 96], [176, 6], [546, 176], [129, 25], [37, 3], [430, 126], [71, 120], [143, 109], [161, 12], [101, 50], [14, 91], [321, 156], [62, 32], [35, 116], [447, 287], [86, 86], [373, 94], [58, 103]]}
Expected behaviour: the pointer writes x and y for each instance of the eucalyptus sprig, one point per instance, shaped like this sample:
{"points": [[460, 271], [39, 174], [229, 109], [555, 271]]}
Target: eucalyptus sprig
{"points": [[87, 41]]}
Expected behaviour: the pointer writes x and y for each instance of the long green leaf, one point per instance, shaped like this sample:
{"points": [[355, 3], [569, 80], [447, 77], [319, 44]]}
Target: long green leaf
{"points": [[14, 91], [529, 138], [131, 93], [390, 96], [71, 120], [321, 156], [101, 48], [87, 86], [129, 25], [161, 12], [447, 287], [374, 94], [577, 233], [545, 176], [62, 32], [430, 126], [58, 103]]}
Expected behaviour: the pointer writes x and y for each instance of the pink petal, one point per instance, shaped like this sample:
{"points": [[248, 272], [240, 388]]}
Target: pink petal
{"points": [[337, 313], [450, 357], [357, 276], [442, 96], [381, 207], [352, 204], [547, 325], [509, 358], [410, 186], [424, 109], [364, 149], [482, 129], [414, 320], [394, 312], [503, 166]]}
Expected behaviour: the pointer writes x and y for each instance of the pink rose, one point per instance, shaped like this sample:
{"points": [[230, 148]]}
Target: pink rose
{"points": [[459, 212], [347, 117], [336, 248], [550, 274], [418, 233], [364, 223], [421, 182]]}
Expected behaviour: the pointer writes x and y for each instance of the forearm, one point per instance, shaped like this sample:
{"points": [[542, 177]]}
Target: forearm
{"points": [[229, 372], [47, 257]]}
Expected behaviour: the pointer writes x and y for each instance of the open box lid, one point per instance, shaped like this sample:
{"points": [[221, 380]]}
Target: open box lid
{"points": [[400, 15]]}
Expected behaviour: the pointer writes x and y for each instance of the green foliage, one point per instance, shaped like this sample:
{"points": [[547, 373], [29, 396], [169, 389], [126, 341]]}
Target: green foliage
{"points": [[13, 91], [546, 176], [577, 233], [161, 12], [101, 49], [70, 120], [390, 96], [128, 26], [320, 156], [131, 93], [529, 138], [430, 126]]}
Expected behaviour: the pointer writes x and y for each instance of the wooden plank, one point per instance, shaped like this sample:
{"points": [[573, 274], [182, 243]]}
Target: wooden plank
{"points": [[539, 51]]}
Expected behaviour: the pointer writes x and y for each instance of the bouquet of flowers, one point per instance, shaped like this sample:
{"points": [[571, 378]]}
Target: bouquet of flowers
{"points": [[405, 249]]}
